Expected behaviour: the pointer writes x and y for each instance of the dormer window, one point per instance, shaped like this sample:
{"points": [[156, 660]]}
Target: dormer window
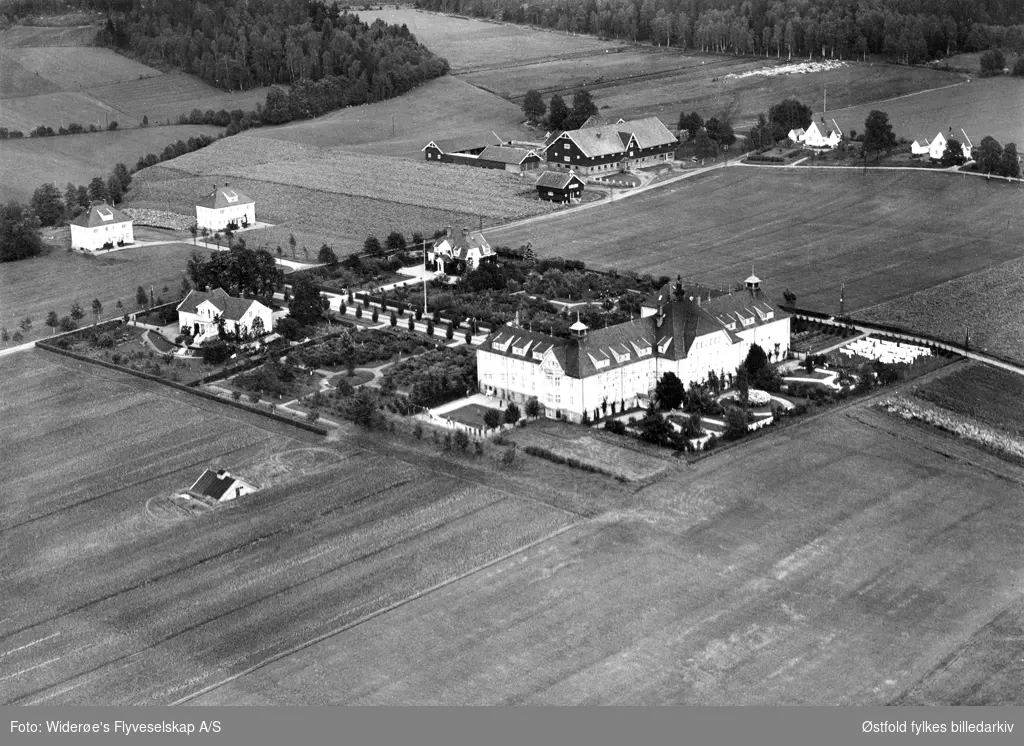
{"points": [[747, 320], [538, 355], [663, 344], [500, 346], [621, 357]]}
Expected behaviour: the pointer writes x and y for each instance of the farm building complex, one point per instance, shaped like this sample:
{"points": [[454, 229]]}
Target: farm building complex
{"points": [[598, 148], [621, 364], [220, 485], [483, 153], [201, 313], [225, 207], [818, 135], [99, 227]]}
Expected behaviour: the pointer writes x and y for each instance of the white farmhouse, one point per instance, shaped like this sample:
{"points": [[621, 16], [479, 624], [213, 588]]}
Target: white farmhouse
{"points": [[220, 486], [101, 225], [199, 312], [619, 366], [225, 205], [797, 135], [822, 136], [459, 250], [937, 147]]}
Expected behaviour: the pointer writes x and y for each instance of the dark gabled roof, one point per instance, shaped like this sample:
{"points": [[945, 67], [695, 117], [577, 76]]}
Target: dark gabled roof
{"points": [[518, 338], [610, 139], [744, 304], [462, 144], [231, 309], [100, 214], [213, 484], [584, 353], [500, 154], [557, 179], [224, 196]]}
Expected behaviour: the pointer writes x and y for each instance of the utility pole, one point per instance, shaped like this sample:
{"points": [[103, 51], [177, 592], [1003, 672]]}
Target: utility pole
{"points": [[424, 277]]}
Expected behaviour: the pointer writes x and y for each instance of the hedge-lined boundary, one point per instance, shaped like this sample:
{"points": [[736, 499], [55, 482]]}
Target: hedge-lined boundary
{"points": [[182, 387], [572, 462]]}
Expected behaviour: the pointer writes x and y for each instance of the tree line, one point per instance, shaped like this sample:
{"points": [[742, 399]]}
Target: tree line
{"points": [[329, 58], [903, 30]]}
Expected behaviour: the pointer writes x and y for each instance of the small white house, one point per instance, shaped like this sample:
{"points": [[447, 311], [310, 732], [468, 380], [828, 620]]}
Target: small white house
{"points": [[797, 135], [220, 486], [225, 205], [199, 312], [463, 248], [823, 136], [101, 226]]}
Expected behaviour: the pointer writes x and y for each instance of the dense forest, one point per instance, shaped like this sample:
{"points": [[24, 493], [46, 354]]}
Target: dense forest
{"points": [[901, 30], [242, 44]]}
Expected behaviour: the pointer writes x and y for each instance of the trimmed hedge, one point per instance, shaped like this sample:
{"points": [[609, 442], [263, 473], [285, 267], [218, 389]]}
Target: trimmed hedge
{"points": [[570, 461]]}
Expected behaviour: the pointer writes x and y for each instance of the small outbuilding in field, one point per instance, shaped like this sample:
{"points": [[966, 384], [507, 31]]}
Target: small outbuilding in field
{"points": [[219, 486], [556, 186], [225, 207], [101, 227]]}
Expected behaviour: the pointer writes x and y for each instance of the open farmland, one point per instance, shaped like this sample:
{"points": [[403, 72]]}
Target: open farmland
{"points": [[988, 302], [48, 36], [335, 197], [172, 94], [491, 194], [151, 609], [30, 162], [985, 106], [653, 82], [74, 68], [315, 217], [439, 109], [52, 282], [991, 395], [739, 581], [469, 44], [746, 97], [885, 235]]}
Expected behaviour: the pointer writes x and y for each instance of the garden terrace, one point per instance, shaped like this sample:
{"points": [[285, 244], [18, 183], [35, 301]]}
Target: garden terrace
{"points": [[436, 377], [363, 347]]}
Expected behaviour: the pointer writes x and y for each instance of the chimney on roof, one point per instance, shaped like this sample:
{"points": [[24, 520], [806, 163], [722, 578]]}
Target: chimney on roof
{"points": [[659, 319], [679, 285], [465, 230]]}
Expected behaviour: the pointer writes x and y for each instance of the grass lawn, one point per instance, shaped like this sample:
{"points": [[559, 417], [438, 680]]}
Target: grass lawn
{"points": [[884, 235], [30, 162], [991, 395], [471, 414], [34, 287]]}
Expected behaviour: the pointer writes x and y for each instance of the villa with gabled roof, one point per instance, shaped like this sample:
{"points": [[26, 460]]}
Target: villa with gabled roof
{"points": [[677, 332], [101, 225], [225, 205], [199, 312]]}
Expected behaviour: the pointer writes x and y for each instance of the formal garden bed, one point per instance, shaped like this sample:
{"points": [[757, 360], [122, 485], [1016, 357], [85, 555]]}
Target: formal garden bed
{"points": [[434, 378], [124, 345], [363, 348], [274, 381]]}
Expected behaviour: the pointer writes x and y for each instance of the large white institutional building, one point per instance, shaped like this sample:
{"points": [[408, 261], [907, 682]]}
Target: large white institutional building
{"points": [[621, 364]]}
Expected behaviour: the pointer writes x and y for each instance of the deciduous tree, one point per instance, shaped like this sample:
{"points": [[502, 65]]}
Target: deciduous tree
{"points": [[533, 106], [558, 113], [47, 204], [990, 155], [878, 134]]}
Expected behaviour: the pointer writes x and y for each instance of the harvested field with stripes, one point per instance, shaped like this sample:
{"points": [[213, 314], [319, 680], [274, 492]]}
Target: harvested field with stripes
{"points": [[155, 606]]}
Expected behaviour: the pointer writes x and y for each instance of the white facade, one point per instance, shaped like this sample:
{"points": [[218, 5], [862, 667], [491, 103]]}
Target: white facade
{"points": [[216, 219], [516, 365], [822, 137], [797, 135], [204, 319], [937, 147], [92, 239]]}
